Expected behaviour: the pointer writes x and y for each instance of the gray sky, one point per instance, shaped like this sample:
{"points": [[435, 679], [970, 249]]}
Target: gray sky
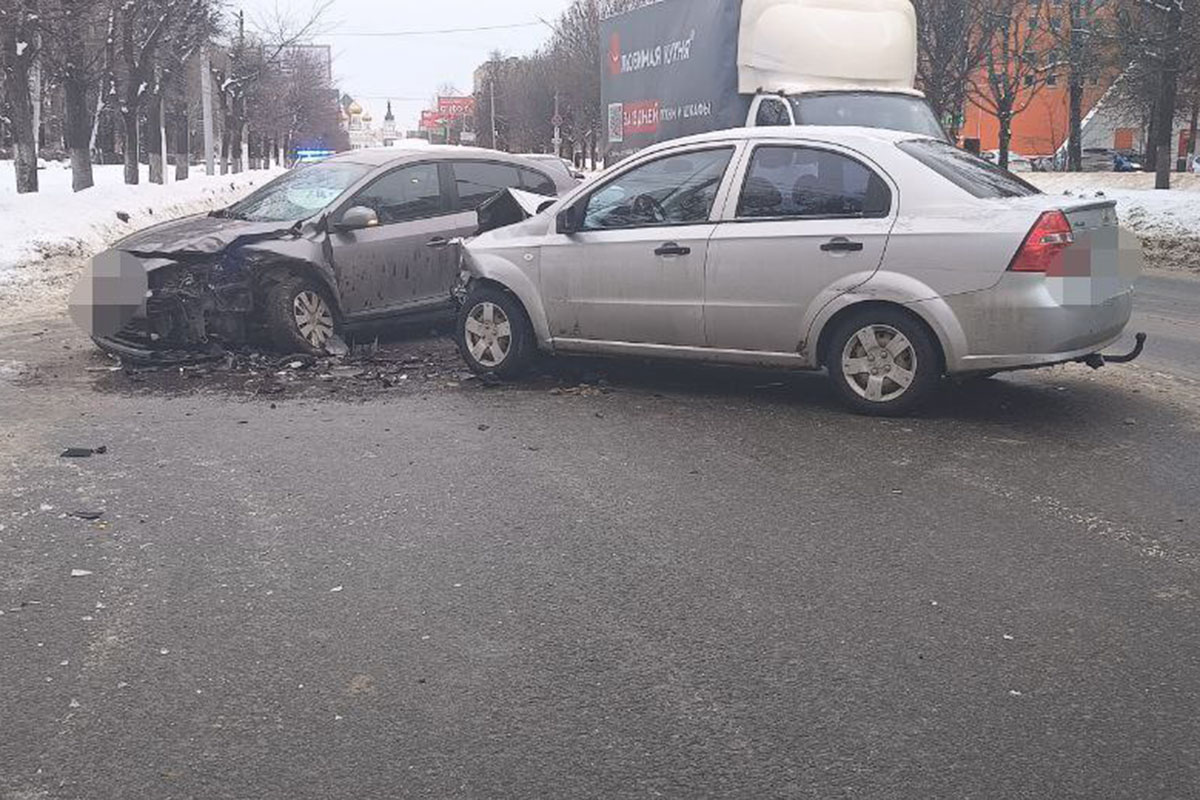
{"points": [[409, 69]]}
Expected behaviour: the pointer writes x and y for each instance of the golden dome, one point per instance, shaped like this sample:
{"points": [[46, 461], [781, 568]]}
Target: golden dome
{"points": [[354, 108], [367, 117]]}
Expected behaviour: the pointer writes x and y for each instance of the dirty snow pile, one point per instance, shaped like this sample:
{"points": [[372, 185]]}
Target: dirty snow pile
{"points": [[45, 237], [1167, 221]]}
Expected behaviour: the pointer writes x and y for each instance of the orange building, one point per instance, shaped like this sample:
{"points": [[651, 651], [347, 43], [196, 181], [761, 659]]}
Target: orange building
{"points": [[1043, 127]]}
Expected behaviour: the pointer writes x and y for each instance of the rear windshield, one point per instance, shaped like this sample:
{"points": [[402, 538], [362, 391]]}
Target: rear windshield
{"points": [[972, 174], [896, 112]]}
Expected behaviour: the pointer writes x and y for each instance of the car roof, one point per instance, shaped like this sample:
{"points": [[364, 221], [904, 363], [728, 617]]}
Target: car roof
{"points": [[834, 134], [383, 156]]}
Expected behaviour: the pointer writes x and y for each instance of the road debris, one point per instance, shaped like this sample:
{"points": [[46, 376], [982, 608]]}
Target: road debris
{"points": [[89, 516], [84, 452], [80, 573]]}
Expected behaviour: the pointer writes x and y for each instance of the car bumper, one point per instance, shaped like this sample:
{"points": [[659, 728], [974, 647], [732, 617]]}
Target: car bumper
{"points": [[1031, 321]]}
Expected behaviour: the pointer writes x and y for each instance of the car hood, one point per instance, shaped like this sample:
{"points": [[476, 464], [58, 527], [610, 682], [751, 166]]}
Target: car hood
{"points": [[199, 235]]}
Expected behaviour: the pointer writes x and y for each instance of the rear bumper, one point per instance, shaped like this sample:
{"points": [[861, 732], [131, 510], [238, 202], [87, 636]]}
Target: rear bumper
{"points": [[1024, 322]]}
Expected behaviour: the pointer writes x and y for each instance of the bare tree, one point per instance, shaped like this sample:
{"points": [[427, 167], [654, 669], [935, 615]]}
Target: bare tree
{"points": [[75, 46], [1079, 33], [1012, 72], [952, 43], [19, 21]]}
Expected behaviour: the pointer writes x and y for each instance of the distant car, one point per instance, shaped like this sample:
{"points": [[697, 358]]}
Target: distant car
{"points": [[889, 259], [554, 162], [1016, 162], [359, 237]]}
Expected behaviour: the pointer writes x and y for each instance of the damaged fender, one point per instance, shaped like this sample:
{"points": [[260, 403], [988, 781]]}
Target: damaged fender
{"points": [[499, 270]]}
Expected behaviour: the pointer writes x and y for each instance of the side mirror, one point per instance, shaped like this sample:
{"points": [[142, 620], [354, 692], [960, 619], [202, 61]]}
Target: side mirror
{"points": [[358, 217], [543, 206], [569, 220]]}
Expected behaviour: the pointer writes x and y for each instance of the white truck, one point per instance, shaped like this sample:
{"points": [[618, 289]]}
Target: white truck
{"points": [[678, 67]]}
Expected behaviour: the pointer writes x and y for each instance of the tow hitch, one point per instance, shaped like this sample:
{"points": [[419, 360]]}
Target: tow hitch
{"points": [[1098, 360]]}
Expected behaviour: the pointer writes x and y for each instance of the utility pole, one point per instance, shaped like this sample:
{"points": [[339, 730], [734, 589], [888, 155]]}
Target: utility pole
{"points": [[558, 121], [206, 104], [492, 106]]}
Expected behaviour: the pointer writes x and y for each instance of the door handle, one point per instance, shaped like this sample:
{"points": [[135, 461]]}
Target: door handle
{"points": [[437, 241], [673, 249], [842, 245]]}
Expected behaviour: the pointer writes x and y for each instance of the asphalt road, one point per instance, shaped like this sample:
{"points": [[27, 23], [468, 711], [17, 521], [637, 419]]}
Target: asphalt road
{"points": [[1168, 309], [679, 583]]}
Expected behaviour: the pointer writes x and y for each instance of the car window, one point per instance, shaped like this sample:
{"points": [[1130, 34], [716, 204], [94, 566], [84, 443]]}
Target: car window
{"points": [[404, 194], [537, 182], [970, 173], [300, 193], [676, 190], [788, 181], [479, 181], [772, 113]]}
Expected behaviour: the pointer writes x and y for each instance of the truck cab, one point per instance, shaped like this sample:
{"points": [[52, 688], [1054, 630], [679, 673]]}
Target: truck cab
{"points": [[832, 62], [900, 111]]}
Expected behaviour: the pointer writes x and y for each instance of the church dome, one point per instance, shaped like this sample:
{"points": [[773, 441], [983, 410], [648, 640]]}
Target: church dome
{"points": [[354, 108]]}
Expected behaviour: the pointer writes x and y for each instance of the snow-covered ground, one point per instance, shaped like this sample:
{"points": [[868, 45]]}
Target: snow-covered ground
{"points": [[45, 237], [1167, 221]]}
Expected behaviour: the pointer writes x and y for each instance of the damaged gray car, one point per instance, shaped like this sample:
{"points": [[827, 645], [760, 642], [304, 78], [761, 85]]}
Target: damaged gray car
{"points": [[360, 238]]}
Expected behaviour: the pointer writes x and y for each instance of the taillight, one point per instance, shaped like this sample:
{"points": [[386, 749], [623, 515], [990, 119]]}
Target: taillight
{"points": [[1044, 246]]}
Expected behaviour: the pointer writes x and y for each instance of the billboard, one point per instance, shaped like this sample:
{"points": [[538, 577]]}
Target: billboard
{"points": [[433, 120], [669, 70], [456, 107]]}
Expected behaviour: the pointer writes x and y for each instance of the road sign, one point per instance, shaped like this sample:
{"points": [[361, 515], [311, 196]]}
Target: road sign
{"points": [[557, 121]]}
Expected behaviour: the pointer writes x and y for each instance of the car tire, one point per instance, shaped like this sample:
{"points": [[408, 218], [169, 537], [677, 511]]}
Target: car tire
{"points": [[882, 362], [299, 315], [493, 333]]}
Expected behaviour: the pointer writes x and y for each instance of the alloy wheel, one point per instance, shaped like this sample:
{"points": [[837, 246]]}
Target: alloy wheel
{"points": [[879, 363], [488, 334]]}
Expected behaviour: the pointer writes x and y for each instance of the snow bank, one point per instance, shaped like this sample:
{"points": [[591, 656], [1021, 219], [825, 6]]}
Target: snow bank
{"points": [[46, 237], [1167, 221], [57, 221]]}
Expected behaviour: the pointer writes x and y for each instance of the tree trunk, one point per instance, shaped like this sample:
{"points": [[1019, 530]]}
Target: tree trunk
{"points": [[225, 148], [235, 147], [1075, 113], [78, 130], [1167, 98], [17, 89], [154, 143], [1005, 121], [132, 146], [1192, 130], [183, 147]]}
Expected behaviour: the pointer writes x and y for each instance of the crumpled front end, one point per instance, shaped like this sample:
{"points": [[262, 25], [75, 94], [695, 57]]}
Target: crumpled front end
{"points": [[192, 310]]}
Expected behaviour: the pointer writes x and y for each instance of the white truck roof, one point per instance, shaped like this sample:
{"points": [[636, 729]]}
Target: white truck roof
{"points": [[797, 46]]}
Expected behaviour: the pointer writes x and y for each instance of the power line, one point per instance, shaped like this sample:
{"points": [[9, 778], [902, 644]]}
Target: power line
{"points": [[442, 32]]}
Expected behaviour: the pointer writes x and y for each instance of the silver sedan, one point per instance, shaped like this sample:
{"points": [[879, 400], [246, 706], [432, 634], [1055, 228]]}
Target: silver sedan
{"points": [[889, 259]]}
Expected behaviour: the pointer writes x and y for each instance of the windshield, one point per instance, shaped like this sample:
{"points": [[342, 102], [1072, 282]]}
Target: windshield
{"points": [[981, 178], [897, 112], [299, 194]]}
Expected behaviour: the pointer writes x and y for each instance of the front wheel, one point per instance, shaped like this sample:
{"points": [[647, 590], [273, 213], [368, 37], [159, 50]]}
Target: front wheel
{"points": [[883, 362], [299, 315], [493, 333]]}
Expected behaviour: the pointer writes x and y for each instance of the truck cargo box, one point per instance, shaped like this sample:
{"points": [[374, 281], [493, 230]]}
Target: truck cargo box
{"points": [[679, 67]]}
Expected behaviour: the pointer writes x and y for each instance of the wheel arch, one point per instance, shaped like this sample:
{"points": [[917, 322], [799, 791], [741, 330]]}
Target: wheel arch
{"points": [[270, 272], [490, 270], [831, 324]]}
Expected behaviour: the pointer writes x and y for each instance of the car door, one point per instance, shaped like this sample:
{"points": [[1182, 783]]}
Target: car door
{"points": [[634, 270], [806, 218], [401, 263]]}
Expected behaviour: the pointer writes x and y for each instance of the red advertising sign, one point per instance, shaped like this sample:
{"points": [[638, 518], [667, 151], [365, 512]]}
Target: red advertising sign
{"points": [[641, 117], [456, 107], [432, 120]]}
